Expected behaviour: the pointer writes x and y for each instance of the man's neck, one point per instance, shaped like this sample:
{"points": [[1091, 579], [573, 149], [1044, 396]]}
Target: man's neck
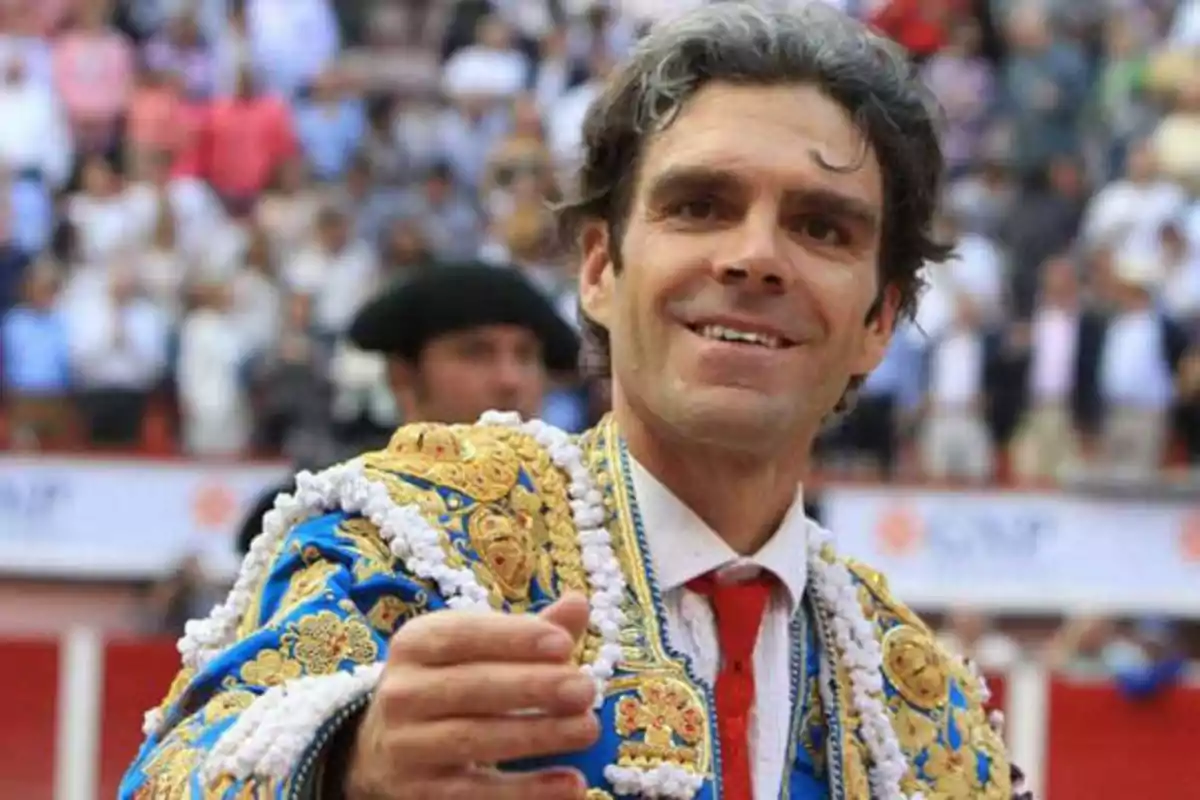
{"points": [[742, 498]]}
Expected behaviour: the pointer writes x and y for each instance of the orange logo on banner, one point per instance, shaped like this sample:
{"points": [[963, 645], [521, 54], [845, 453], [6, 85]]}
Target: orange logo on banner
{"points": [[1189, 537], [899, 531], [214, 506]]}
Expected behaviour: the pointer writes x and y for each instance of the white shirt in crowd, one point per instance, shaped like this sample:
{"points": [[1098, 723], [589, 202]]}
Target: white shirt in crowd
{"points": [[116, 347], [339, 283], [1128, 215], [1133, 370], [196, 210], [34, 133], [485, 71], [956, 369], [683, 547], [1055, 339], [215, 410]]}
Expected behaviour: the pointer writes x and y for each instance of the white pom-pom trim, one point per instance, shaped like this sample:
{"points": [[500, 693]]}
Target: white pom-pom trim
{"points": [[663, 781], [271, 736]]}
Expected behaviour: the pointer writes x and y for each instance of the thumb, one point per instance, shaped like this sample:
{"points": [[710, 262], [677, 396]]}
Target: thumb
{"points": [[569, 612]]}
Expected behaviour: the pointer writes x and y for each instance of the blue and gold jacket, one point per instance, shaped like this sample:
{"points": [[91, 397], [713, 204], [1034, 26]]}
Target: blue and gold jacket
{"points": [[332, 593]]}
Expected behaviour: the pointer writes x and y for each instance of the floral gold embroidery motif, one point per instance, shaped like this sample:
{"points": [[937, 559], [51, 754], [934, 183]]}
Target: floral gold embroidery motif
{"points": [[914, 729], [270, 668], [304, 585], [227, 704], [322, 641], [670, 718], [916, 667], [390, 612], [168, 773], [374, 556], [507, 549], [467, 459]]}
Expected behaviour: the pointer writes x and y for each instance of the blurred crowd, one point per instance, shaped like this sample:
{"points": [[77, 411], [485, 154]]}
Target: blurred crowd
{"points": [[197, 195]]}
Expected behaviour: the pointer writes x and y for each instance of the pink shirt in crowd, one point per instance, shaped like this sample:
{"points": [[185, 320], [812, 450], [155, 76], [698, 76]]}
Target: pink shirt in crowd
{"points": [[243, 143], [94, 73]]}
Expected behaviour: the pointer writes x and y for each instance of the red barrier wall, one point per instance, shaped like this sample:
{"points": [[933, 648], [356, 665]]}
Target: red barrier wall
{"points": [[1104, 746], [1100, 746], [29, 675], [136, 677]]}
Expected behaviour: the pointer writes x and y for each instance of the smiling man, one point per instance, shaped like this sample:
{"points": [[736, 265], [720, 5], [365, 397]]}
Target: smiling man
{"points": [[753, 210]]}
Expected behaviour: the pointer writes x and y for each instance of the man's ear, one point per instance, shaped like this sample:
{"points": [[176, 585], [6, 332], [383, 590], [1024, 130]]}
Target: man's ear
{"points": [[596, 272], [880, 329]]}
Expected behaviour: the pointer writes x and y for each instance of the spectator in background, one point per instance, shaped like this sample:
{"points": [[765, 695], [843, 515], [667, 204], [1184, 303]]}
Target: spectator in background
{"points": [[35, 357], [119, 354], [214, 408], [447, 218], [101, 212], [338, 271], [288, 209], [180, 49], [330, 123], [94, 69], [1127, 213], [35, 151], [1052, 367], [14, 259], [964, 84], [1138, 362], [291, 42], [245, 139]]}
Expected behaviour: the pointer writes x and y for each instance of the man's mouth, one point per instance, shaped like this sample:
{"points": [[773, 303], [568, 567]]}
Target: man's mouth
{"points": [[724, 333]]}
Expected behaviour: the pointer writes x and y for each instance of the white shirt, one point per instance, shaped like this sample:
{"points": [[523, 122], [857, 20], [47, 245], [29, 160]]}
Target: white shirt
{"points": [[956, 369], [35, 133], [1133, 372], [1055, 339], [340, 283], [683, 547]]}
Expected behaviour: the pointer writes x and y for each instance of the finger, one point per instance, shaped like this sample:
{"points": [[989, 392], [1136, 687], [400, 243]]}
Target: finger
{"points": [[446, 638], [457, 742], [556, 783], [485, 689], [569, 612]]}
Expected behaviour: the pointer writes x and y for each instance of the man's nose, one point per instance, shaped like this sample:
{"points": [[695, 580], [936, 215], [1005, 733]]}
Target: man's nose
{"points": [[759, 262]]}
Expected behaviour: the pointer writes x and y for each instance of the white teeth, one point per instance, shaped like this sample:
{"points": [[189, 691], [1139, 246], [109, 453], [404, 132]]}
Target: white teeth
{"points": [[721, 333]]}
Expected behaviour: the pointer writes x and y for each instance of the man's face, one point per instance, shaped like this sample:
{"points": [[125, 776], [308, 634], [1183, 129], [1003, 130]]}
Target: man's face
{"points": [[737, 223], [462, 374]]}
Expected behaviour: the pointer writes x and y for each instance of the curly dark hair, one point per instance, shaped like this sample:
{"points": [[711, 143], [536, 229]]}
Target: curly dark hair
{"points": [[741, 43]]}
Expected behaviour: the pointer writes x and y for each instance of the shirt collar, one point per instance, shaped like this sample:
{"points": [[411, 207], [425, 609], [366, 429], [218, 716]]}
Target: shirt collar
{"points": [[683, 547]]}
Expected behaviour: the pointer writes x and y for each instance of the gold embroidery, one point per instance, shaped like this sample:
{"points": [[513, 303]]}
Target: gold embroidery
{"points": [[389, 612], [914, 729], [322, 641], [270, 668], [854, 772], [877, 586], [304, 585], [468, 459], [916, 666], [508, 551], [169, 771], [374, 556], [952, 773], [227, 704], [669, 716], [598, 794]]}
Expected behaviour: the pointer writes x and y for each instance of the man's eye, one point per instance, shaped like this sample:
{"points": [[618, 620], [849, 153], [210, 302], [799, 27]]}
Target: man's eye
{"points": [[823, 231], [698, 209]]}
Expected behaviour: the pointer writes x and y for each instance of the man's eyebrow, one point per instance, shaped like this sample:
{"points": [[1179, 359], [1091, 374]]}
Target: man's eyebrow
{"points": [[690, 179], [839, 204]]}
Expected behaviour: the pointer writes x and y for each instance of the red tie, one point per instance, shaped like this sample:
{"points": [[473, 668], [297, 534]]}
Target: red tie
{"points": [[739, 609]]}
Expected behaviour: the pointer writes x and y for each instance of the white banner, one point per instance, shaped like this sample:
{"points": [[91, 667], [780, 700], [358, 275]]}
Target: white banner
{"points": [[1023, 551], [102, 518]]}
